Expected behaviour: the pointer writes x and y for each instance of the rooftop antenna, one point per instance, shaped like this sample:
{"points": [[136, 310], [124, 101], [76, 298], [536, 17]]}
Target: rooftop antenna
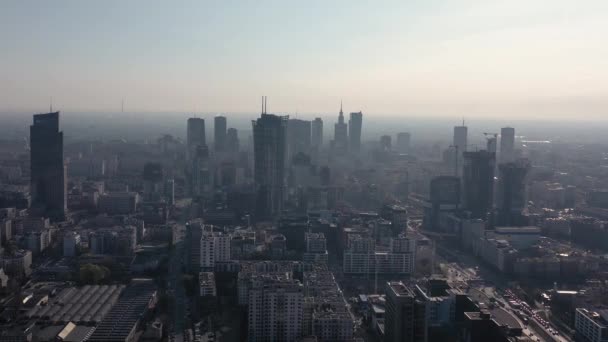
{"points": [[463, 120], [262, 104], [265, 104], [51, 105]]}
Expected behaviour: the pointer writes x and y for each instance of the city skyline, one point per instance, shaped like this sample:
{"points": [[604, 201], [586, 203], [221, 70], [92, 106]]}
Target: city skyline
{"points": [[479, 58]]}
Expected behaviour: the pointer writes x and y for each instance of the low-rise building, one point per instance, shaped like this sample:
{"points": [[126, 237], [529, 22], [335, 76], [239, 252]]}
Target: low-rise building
{"points": [[590, 325]]}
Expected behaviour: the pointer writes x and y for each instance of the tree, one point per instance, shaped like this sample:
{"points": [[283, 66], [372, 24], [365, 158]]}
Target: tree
{"points": [[93, 274]]}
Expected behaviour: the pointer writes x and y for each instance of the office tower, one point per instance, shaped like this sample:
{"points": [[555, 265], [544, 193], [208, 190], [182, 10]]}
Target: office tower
{"points": [[276, 308], [511, 192], [444, 197], [48, 172], [386, 143], [200, 174], [298, 137], [460, 139], [232, 140], [195, 134], [219, 129], [354, 131], [317, 133], [478, 182], [403, 142], [269, 145], [507, 143], [340, 143], [404, 319], [153, 181], [215, 247]]}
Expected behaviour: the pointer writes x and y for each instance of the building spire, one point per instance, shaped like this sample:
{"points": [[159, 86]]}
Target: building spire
{"points": [[341, 107]]}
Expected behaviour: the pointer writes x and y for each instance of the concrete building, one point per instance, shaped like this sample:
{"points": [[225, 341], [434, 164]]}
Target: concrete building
{"points": [[591, 326], [269, 140], [18, 264], [444, 198], [355, 124], [518, 237], [47, 168], [361, 257]]}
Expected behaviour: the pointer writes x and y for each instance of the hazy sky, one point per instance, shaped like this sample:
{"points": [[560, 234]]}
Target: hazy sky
{"points": [[521, 58]]}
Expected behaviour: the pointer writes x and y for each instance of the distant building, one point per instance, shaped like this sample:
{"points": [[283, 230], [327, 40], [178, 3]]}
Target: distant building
{"points": [[153, 181], [298, 137], [71, 241], [478, 183], [340, 143], [206, 282], [386, 143], [316, 248], [354, 131], [444, 198], [507, 144], [317, 133], [460, 139], [232, 140], [17, 264], [215, 247], [511, 199], [219, 127], [195, 135], [403, 142], [118, 203], [269, 140], [47, 169]]}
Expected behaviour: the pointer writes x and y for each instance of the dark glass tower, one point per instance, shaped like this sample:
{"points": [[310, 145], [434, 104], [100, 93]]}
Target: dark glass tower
{"points": [[196, 133], [354, 131], [478, 182], [269, 143], [48, 172], [219, 126]]}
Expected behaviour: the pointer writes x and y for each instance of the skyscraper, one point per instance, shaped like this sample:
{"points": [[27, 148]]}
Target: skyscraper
{"points": [[403, 142], [195, 133], [219, 137], [298, 137], [460, 138], [232, 140], [354, 131], [507, 143], [512, 196], [340, 143], [317, 133], [48, 172], [269, 145], [478, 182]]}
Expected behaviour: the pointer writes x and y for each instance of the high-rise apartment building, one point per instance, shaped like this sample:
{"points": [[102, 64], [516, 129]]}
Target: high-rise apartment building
{"points": [[48, 172], [507, 144], [215, 247], [269, 144], [478, 182], [275, 308], [354, 131], [219, 130], [317, 133], [460, 138]]}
